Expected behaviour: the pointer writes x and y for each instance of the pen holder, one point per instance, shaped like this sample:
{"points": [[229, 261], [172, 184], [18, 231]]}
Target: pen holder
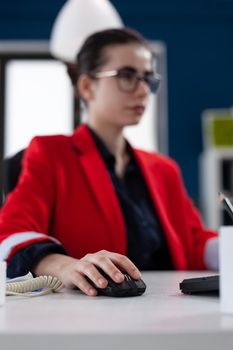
{"points": [[2, 282], [226, 268]]}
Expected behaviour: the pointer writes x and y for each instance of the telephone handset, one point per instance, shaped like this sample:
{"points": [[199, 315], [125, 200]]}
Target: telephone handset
{"points": [[34, 286]]}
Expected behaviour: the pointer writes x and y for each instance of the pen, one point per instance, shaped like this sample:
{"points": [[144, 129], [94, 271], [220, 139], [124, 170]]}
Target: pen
{"points": [[227, 204]]}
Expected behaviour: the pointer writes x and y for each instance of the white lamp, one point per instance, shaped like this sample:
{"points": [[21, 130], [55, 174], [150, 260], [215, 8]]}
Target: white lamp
{"points": [[78, 19]]}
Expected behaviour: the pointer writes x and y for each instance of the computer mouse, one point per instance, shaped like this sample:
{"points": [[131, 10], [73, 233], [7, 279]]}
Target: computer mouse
{"points": [[128, 288]]}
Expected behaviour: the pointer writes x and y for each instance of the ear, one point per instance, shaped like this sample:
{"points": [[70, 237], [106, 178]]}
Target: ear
{"points": [[85, 87]]}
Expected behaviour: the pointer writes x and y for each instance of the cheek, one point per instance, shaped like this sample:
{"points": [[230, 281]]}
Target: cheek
{"points": [[109, 105], [109, 97]]}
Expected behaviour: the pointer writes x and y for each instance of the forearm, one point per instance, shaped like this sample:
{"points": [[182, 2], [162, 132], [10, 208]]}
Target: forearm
{"points": [[25, 259]]}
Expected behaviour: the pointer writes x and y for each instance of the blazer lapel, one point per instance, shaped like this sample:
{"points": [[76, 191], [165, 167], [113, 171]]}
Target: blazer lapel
{"points": [[101, 186], [153, 182]]}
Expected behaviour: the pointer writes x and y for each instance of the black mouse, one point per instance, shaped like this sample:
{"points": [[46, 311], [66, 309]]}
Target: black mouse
{"points": [[128, 288]]}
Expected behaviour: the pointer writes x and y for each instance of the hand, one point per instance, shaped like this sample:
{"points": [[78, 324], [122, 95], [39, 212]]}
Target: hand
{"points": [[72, 272]]}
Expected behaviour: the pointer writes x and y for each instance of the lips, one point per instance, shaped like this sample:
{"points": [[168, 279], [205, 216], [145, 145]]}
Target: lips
{"points": [[139, 109]]}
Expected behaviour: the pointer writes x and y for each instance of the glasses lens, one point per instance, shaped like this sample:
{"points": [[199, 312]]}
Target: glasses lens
{"points": [[127, 79], [153, 82]]}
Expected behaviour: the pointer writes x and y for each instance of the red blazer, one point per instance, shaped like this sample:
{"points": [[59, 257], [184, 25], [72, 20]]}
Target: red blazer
{"points": [[65, 193]]}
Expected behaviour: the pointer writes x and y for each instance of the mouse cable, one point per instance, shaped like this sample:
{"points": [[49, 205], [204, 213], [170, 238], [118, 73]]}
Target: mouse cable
{"points": [[36, 286]]}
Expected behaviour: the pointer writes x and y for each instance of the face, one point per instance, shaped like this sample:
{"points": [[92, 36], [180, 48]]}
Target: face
{"points": [[107, 102]]}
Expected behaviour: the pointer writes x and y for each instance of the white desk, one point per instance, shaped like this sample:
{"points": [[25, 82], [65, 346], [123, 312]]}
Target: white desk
{"points": [[163, 318]]}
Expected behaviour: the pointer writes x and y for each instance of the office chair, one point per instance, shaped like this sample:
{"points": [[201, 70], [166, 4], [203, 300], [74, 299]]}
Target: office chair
{"points": [[12, 168]]}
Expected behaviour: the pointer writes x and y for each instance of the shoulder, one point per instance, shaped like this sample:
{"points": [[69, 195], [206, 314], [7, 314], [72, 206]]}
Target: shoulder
{"points": [[48, 147], [158, 160], [49, 143]]}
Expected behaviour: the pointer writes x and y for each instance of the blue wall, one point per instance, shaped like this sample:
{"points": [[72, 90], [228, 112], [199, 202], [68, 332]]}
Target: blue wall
{"points": [[198, 35]]}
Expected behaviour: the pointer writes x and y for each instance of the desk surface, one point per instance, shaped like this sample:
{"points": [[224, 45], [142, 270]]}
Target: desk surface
{"points": [[162, 318]]}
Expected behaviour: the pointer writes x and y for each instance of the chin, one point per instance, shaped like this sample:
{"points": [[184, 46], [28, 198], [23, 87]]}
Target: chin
{"points": [[133, 120], [129, 123]]}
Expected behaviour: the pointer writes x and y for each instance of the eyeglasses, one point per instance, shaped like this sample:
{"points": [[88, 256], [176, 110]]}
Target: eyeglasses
{"points": [[128, 78]]}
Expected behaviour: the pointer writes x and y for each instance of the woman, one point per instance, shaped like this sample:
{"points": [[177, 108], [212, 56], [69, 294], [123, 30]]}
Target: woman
{"points": [[91, 200]]}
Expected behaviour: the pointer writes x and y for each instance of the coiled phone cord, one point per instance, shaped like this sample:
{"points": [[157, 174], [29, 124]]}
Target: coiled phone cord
{"points": [[33, 287]]}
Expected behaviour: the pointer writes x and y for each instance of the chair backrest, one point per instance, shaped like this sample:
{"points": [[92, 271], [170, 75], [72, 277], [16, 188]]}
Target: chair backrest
{"points": [[12, 167]]}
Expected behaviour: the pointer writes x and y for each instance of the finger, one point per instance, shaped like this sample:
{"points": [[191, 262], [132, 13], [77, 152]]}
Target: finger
{"points": [[111, 269], [102, 260], [113, 264], [94, 275], [125, 264], [81, 282]]}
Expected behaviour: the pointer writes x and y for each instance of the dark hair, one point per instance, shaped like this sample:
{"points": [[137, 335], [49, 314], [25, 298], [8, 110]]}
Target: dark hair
{"points": [[92, 56]]}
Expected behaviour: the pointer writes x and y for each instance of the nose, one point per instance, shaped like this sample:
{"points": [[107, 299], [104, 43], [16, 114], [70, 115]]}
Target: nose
{"points": [[142, 87]]}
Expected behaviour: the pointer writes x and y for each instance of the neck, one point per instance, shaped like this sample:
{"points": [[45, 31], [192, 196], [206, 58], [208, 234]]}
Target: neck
{"points": [[111, 136]]}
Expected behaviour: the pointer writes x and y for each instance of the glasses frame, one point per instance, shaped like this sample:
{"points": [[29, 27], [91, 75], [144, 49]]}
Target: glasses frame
{"points": [[139, 77]]}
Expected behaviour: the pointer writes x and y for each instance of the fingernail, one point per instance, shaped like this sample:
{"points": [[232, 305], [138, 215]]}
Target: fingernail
{"points": [[101, 282], [119, 276]]}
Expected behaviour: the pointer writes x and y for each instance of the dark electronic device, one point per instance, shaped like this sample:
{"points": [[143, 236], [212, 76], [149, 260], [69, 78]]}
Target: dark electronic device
{"points": [[128, 288], [202, 285]]}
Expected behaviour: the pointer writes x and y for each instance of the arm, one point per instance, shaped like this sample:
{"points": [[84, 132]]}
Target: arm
{"points": [[188, 222], [72, 272], [26, 214], [211, 255]]}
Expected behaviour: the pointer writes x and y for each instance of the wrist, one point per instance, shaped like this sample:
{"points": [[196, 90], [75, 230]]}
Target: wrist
{"points": [[52, 264]]}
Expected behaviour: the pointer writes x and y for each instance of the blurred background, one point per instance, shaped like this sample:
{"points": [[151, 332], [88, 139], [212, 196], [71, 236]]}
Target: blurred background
{"points": [[194, 39]]}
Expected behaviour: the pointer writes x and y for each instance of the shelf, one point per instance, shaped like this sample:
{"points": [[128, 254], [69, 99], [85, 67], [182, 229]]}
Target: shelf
{"points": [[215, 175]]}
